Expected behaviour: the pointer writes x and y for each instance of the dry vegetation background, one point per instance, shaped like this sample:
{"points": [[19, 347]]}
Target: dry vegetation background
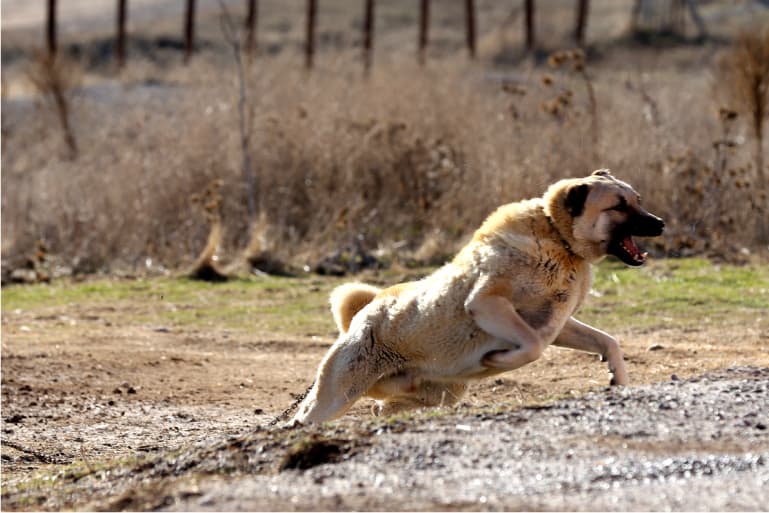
{"points": [[403, 164]]}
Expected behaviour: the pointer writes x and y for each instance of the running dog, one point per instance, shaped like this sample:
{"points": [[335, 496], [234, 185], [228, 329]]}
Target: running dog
{"points": [[507, 295]]}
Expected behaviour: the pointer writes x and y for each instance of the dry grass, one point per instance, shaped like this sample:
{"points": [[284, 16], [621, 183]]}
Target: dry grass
{"points": [[54, 77], [743, 83], [409, 160]]}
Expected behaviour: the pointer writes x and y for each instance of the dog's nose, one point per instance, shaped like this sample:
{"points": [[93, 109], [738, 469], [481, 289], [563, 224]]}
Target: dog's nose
{"points": [[649, 225], [658, 225]]}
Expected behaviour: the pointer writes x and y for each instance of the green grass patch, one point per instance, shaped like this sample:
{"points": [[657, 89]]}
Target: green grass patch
{"points": [[675, 293], [269, 304]]}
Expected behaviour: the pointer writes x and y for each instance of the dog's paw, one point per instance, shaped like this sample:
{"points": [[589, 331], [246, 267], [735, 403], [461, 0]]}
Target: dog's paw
{"points": [[618, 379], [293, 424]]}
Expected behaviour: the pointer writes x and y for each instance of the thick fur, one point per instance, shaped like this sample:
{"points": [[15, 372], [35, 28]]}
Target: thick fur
{"points": [[508, 294], [347, 300]]}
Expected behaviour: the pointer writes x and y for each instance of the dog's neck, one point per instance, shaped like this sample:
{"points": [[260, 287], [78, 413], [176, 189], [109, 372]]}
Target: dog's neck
{"points": [[562, 223], [564, 242]]}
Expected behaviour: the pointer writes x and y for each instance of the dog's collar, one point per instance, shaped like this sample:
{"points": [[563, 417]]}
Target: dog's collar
{"points": [[564, 242]]}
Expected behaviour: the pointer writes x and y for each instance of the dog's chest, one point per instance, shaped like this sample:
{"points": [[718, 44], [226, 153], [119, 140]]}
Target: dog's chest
{"points": [[548, 292]]}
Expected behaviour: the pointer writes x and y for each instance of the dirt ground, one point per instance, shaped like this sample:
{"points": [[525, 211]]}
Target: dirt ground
{"points": [[84, 386]]}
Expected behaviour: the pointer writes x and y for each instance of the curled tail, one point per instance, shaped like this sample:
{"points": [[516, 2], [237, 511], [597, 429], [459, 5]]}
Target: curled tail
{"points": [[349, 299]]}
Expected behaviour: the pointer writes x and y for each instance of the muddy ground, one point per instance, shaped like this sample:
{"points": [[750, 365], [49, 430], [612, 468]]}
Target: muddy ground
{"points": [[101, 412]]}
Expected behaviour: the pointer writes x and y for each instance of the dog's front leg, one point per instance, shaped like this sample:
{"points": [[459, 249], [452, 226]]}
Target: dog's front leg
{"points": [[495, 315], [580, 336]]}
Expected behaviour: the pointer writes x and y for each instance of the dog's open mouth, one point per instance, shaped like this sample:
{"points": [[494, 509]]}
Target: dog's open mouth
{"points": [[624, 248]]}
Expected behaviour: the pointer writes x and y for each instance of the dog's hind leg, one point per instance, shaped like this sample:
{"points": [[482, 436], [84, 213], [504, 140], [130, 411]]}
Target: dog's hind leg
{"points": [[352, 365], [400, 384], [580, 336], [428, 394]]}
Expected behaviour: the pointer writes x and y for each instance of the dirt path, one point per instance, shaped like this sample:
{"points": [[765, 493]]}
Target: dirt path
{"points": [[90, 396], [698, 444], [701, 444]]}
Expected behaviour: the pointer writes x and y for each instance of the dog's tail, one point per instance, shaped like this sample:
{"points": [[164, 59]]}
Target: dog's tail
{"points": [[349, 299]]}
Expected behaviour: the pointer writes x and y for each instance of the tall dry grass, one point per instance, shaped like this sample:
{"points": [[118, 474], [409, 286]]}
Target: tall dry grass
{"points": [[408, 161], [742, 83], [55, 77]]}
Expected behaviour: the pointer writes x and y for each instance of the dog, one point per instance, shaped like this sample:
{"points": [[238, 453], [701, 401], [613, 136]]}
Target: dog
{"points": [[507, 295]]}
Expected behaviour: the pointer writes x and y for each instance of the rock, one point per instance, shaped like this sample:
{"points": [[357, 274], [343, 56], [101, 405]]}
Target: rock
{"points": [[350, 258], [23, 276], [15, 419]]}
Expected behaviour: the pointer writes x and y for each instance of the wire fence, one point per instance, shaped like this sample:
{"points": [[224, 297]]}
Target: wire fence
{"points": [[251, 20]]}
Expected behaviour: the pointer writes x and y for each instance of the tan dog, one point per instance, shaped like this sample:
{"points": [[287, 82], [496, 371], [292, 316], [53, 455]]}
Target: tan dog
{"points": [[504, 298]]}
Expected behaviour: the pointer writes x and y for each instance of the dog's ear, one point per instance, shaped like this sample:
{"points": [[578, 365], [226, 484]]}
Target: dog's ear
{"points": [[575, 199], [601, 172]]}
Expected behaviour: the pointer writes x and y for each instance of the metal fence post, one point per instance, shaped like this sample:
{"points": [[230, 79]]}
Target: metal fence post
{"points": [[189, 30], [120, 40], [470, 26], [368, 34], [51, 27], [424, 23], [529, 24], [579, 31], [309, 48], [252, 14]]}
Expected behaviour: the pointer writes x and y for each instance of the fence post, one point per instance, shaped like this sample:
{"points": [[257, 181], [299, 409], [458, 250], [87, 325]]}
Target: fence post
{"points": [[470, 26], [424, 22], [368, 34], [309, 49], [189, 30], [120, 43], [703, 31], [51, 27], [251, 17], [529, 24], [579, 31]]}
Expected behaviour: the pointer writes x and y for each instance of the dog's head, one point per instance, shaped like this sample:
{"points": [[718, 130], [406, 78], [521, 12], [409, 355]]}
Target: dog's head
{"points": [[599, 215]]}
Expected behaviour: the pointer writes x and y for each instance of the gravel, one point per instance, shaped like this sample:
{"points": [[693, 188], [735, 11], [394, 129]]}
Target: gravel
{"points": [[698, 444]]}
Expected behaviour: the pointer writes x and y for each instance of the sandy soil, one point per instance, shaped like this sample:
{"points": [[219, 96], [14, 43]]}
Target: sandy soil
{"points": [[81, 388], [694, 445]]}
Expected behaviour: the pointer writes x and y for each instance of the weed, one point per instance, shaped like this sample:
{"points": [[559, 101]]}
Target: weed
{"points": [[574, 61], [54, 76], [205, 267]]}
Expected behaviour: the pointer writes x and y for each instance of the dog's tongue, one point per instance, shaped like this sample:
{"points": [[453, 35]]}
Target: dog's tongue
{"points": [[631, 248]]}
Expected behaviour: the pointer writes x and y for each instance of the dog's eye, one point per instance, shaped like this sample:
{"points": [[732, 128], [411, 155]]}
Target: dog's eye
{"points": [[619, 207]]}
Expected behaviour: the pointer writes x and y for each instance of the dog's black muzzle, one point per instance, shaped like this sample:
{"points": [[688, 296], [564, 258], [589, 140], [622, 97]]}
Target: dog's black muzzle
{"points": [[644, 224], [639, 223]]}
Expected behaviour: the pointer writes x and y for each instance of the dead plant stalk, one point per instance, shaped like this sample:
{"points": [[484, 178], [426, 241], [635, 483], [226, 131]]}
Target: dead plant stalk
{"points": [[53, 76], [244, 126]]}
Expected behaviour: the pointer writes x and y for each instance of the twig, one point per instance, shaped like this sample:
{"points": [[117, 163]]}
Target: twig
{"points": [[85, 460], [593, 112], [230, 34], [42, 458], [292, 407]]}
